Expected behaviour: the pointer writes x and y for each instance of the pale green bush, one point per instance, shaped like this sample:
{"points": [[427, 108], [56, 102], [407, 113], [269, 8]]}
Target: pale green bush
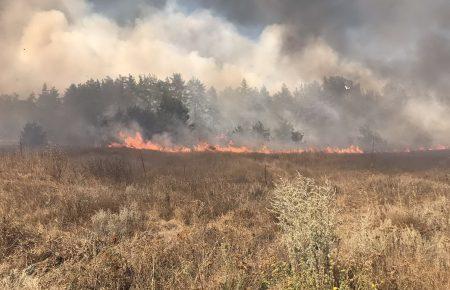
{"points": [[106, 224], [307, 216]]}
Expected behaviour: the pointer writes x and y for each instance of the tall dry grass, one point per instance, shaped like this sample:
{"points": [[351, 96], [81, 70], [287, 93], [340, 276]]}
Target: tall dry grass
{"points": [[103, 219]]}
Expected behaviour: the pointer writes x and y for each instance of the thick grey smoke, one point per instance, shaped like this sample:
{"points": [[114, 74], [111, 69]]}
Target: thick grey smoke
{"points": [[71, 40], [403, 38], [404, 41], [400, 50]]}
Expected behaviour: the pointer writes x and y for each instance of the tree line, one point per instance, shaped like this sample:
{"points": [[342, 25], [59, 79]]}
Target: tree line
{"points": [[334, 112]]}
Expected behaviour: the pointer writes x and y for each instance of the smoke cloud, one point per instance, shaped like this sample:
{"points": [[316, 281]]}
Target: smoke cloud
{"points": [[70, 41]]}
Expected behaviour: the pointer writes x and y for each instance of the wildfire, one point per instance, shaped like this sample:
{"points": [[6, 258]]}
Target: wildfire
{"points": [[138, 142], [424, 149]]}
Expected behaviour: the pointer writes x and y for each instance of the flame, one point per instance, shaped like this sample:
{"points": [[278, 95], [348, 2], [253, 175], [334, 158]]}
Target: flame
{"points": [[138, 142], [425, 149]]}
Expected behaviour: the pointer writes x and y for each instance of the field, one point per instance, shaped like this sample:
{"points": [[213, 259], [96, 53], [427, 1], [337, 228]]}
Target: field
{"points": [[125, 219]]}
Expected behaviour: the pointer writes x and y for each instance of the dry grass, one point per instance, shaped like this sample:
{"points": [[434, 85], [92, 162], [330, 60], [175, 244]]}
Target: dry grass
{"points": [[100, 219]]}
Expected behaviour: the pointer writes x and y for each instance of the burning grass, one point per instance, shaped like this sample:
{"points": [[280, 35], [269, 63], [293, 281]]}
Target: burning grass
{"points": [[136, 141], [125, 219]]}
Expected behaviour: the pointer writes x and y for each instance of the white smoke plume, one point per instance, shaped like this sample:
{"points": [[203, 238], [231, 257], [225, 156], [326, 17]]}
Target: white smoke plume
{"points": [[67, 41]]}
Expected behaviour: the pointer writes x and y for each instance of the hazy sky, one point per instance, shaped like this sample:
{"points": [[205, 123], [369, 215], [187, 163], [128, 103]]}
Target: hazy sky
{"points": [[267, 42]]}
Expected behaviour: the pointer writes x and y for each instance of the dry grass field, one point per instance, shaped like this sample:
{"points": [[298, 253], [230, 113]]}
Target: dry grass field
{"points": [[124, 219]]}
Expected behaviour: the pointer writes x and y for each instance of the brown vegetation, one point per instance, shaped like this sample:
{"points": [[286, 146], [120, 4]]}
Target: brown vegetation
{"points": [[121, 219]]}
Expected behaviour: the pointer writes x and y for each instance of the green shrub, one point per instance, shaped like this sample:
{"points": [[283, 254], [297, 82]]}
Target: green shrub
{"points": [[306, 214]]}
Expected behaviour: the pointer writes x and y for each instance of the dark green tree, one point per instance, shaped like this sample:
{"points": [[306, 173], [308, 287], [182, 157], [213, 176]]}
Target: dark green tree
{"points": [[33, 135], [260, 131], [48, 100]]}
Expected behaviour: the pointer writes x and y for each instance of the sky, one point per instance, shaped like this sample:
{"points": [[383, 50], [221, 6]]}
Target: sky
{"points": [[268, 42]]}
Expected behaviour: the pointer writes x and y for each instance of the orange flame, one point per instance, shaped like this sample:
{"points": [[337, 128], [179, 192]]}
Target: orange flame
{"points": [[425, 149], [138, 142]]}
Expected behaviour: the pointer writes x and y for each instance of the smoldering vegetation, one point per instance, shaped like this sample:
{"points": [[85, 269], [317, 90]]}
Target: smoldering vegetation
{"points": [[335, 112], [120, 219]]}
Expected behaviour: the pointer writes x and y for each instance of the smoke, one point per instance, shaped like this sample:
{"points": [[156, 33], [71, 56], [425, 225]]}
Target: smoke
{"points": [[405, 41], [398, 52], [69, 41]]}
